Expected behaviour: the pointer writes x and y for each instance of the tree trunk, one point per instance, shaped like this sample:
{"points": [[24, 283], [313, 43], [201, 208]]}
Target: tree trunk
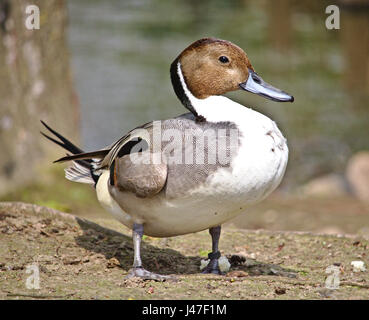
{"points": [[355, 43], [280, 24], [35, 83]]}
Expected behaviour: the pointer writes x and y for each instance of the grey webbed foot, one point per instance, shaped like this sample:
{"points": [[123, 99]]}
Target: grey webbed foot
{"points": [[213, 266], [147, 275], [138, 270]]}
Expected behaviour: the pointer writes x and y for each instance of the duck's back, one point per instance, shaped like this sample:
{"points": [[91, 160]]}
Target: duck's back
{"points": [[195, 150]]}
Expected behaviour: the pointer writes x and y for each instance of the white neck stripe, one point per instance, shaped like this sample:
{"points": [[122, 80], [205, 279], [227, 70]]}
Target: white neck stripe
{"points": [[187, 92], [212, 108]]}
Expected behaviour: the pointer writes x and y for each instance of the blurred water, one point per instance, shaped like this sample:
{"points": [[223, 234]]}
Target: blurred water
{"points": [[122, 50]]}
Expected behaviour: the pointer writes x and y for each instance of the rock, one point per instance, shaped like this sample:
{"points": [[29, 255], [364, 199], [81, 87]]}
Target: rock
{"points": [[224, 264], [357, 174], [358, 266], [327, 185]]}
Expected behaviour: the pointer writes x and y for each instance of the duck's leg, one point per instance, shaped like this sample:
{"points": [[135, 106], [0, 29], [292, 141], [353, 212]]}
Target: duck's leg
{"points": [[137, 269], [213, 266]]}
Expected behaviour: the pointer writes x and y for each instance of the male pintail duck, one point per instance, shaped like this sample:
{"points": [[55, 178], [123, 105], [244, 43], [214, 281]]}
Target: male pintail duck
{"points": [[160, 190]]}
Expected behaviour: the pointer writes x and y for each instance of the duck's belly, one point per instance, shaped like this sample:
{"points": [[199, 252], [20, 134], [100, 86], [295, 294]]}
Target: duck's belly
{"points": [[256, 171]]}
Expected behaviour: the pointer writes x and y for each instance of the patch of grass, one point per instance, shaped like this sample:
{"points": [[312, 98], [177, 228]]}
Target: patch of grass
{"points": [[204, 253]]}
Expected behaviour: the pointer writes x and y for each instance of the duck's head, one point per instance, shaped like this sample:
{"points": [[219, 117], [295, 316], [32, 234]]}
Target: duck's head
{"points": [[210, 67]]}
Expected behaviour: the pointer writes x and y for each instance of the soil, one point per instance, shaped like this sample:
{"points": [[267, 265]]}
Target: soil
{"points": [[80, 259]]}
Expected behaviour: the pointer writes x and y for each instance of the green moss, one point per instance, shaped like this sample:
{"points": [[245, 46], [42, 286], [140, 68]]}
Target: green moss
{"points": [[204, 253]]}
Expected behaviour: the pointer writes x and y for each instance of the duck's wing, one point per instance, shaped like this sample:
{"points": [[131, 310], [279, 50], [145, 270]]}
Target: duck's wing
{"points": [[142, 177], [132, 164]]}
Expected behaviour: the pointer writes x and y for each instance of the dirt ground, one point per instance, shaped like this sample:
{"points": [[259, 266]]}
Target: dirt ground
{"points": [[79, 259]]}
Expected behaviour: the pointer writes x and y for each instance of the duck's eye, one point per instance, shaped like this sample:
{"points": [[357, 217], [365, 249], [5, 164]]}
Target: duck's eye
{"points": [[223, 59]]}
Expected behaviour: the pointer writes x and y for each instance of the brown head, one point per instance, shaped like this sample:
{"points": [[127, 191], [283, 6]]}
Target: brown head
{"points": [[214, 67]]}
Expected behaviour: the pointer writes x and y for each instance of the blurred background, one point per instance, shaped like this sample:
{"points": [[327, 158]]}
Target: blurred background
{"points": [[96, 69]]}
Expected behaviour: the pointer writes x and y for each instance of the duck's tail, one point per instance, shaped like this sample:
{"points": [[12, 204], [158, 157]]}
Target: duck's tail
{"points": [[82, 169]]}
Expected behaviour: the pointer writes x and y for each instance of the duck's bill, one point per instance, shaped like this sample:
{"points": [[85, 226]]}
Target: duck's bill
{"points": [[257, 85]]}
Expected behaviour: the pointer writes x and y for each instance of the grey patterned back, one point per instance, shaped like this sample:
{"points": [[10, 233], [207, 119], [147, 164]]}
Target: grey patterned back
{"points": [[183, 177]]}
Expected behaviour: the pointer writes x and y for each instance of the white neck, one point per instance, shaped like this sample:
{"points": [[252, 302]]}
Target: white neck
{"points": [[213, 108]]}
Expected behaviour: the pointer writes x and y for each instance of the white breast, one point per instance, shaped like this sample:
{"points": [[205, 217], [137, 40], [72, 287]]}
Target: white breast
{"points": [[261, 161]]}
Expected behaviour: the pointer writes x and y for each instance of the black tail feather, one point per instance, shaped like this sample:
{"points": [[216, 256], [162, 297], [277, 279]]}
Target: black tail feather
{"points": [[83, 156], [79, 157], [66, 143]]}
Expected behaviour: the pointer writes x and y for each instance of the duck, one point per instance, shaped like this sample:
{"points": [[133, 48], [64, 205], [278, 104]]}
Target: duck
{"points": [[196, 171]]}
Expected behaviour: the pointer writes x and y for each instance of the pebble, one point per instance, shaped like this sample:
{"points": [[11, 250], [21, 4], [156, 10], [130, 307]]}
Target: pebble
{"points": [[358, 266]]}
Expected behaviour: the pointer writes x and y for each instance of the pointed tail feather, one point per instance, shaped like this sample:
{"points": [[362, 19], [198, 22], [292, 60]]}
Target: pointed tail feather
{"points": [[82, 169], [66, 144], [100, 154]]}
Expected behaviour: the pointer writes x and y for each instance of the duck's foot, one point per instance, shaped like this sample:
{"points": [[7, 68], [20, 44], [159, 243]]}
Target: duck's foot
{"points": [[147, 275], [211, 270], [213, 265]]}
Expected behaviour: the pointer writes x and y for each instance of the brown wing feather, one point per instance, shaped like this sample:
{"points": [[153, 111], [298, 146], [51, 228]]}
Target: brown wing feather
{"points": [[143, 178]]}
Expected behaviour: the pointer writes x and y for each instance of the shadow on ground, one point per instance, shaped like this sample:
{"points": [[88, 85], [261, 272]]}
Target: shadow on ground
{"points": [[113, 244]]}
